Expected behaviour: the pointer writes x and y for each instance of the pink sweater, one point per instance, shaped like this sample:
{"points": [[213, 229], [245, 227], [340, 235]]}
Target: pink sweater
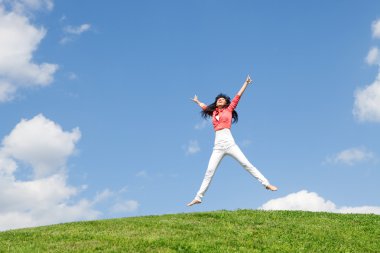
{"points": [[225, 115]]}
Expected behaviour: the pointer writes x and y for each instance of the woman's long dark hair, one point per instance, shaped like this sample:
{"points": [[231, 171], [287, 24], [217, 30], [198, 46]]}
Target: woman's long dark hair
{"points": [[211, 108]]}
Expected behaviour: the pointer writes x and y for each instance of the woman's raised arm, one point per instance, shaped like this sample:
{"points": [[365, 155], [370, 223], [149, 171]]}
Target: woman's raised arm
{"points": [[242, 89], [195, 99]]}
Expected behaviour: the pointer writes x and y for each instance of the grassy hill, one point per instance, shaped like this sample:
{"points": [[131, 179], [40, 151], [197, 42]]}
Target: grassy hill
{"points": [[218, 231]]}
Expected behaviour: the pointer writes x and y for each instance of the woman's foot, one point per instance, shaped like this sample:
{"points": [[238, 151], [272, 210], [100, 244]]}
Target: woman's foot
{"points": [[194, 202], [271, 187]]}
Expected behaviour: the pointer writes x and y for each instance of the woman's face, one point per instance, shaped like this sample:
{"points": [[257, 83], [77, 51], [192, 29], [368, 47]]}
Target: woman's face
{"points": [[221, 102]]}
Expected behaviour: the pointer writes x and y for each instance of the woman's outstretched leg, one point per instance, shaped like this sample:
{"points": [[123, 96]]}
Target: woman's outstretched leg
{"points": [[236, 153], [213, 164]]}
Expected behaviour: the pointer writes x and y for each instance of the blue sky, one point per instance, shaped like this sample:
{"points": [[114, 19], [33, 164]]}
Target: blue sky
{"points": [[97, 120]]}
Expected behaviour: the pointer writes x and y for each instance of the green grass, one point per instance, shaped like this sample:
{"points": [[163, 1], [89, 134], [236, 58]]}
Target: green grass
{"points": [[218, 231]]}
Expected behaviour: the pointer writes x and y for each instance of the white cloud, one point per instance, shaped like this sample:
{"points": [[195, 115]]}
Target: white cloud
{"points": [[45, 198], [70, 32], [48, 214], [192, 147], [201, 125], [123, 190], [376, 29], [142, 173], [104, 195], [77, 29], [125, 206], [19, 40], [245, 143], [311, 201], [72, 76], [373, 56], [42, 144], [367, 102], [302, 200], [7, 91], [65, 40], [115, 201], [351, 156], [28, 6], [367, 99]]}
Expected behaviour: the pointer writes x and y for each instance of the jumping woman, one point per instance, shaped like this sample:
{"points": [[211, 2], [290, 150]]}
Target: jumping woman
{"points": [[223, 113]]}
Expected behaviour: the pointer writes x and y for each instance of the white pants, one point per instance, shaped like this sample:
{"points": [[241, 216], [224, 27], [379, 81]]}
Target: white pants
{"points": [[225, 145]]}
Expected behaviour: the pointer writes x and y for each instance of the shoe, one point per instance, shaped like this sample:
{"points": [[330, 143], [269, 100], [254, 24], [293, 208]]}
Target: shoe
{"points": [[194, 202]]}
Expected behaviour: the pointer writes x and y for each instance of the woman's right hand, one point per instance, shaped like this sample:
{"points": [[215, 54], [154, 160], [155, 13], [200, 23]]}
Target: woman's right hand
{"points": [[195, 99]]}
